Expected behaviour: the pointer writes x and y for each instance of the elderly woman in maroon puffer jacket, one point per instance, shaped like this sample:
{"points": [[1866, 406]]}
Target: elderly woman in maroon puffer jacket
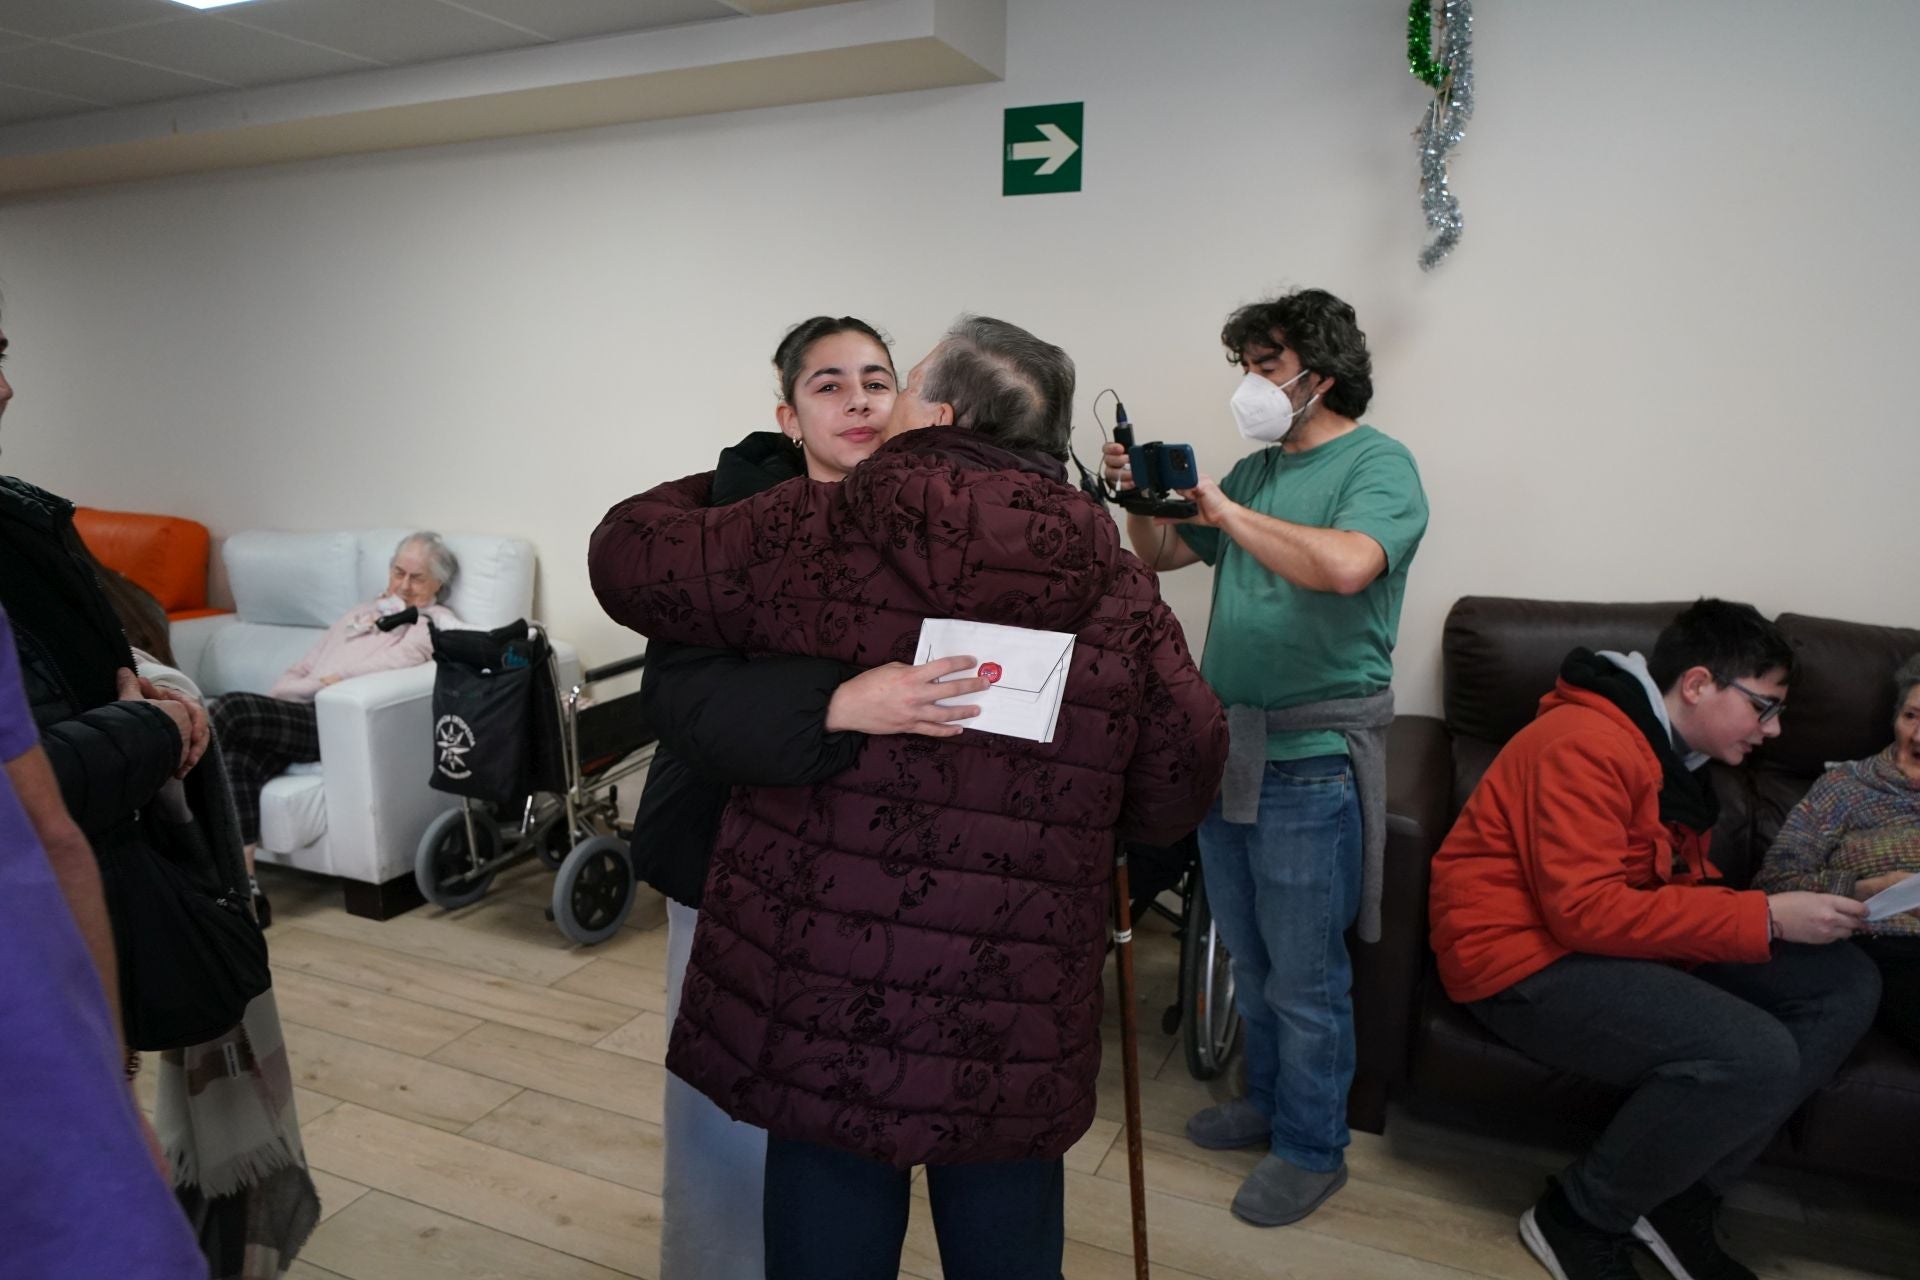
{"points": [[903, 965]]}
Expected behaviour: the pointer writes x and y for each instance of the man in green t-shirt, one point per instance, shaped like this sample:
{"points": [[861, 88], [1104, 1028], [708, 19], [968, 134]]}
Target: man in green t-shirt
{"points": [[1310, 539]]}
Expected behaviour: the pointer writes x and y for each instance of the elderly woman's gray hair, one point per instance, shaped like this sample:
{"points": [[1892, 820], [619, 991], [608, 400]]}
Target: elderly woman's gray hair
{"points": [[1904, 681], [441, 562], [1005, 383]]}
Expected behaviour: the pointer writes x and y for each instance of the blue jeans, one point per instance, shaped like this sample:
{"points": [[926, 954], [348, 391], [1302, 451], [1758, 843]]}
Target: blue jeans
{"points": [[1284, 890], [710, 1197], [833, 1215]]}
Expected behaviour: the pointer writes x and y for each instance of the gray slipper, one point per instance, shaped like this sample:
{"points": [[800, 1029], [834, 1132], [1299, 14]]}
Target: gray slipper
{"points": [[1277, 1193], [1230, 1125]]}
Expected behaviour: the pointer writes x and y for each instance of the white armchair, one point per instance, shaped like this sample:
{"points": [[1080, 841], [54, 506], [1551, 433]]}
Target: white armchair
{"points": [[359, 813]]}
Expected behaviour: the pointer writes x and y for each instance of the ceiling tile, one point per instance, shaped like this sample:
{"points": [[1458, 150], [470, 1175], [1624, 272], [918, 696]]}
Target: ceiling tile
{"points": [[56, 68], [53, 19], [573, 19], [17, 105], [386, 30], [223, 51]]}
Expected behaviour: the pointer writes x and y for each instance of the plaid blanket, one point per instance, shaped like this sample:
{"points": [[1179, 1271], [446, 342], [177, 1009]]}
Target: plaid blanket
{"points": [[225, 1114]]}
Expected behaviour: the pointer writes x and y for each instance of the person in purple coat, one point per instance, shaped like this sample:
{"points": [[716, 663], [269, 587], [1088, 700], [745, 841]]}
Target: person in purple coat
{"points": [[81, 1190]]}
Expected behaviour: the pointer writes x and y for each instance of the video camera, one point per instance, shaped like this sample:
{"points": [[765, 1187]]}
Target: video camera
{"points": [[1158, 469]]}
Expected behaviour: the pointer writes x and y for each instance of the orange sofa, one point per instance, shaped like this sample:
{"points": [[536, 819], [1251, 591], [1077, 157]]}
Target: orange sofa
{"points": [[166, 555]]}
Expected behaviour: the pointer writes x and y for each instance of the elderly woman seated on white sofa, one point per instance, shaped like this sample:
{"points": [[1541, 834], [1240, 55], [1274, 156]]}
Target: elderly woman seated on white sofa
{"points": [[261, 734]]}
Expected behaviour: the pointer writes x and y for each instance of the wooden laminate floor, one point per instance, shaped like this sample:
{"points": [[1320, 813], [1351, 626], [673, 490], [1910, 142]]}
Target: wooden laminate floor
{"points": [[480, 1099]]}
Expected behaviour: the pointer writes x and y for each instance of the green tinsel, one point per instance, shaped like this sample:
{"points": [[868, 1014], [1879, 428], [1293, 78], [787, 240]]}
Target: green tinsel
{"points": [[1420, 59]]}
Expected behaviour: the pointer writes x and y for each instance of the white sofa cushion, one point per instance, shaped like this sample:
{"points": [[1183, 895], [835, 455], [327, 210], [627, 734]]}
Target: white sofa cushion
{"points": [[494, 585], [247, 657], [293, 811], [292, 579]]}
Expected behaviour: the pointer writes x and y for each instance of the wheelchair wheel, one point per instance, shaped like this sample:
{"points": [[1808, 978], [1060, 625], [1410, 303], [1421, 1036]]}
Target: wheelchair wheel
{"points": [[444, 866], [594, 890], [555, 844], [1210, 1021]]}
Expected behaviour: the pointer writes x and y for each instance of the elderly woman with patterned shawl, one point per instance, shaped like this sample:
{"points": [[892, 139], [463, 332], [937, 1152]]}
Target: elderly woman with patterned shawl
{"points": [[1857, 832]]}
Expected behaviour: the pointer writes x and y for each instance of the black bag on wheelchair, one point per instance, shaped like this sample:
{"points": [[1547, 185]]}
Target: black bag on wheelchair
{"points": [[496, 727]]}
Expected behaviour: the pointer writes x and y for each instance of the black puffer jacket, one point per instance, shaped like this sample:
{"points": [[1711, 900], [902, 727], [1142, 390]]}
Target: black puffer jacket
{"points": [[112, 760], [109, 756], [698, 701]]}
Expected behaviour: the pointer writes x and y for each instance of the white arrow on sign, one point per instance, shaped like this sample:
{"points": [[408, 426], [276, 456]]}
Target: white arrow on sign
{"points": [[1056, 150]]}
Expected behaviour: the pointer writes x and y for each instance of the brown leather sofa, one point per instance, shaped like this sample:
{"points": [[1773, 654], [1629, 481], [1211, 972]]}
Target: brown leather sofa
{"points": [[1500, 655]]}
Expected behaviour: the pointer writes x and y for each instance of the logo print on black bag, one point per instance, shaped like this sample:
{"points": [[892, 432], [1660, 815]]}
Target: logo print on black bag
{"points": [[454, 739]]}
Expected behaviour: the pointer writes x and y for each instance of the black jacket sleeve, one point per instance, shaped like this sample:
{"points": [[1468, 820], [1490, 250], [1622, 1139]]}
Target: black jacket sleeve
{"points": [[749, 722], [110, 761]]}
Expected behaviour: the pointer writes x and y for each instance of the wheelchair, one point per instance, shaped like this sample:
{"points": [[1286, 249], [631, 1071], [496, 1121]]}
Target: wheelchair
{"points": [[537, 772], [1204, 1013]]}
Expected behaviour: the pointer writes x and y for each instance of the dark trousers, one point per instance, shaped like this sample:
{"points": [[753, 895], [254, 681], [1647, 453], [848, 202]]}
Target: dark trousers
{"points": [[1716, 1057], [259, 737], [1899, 961], [833, 1215]]}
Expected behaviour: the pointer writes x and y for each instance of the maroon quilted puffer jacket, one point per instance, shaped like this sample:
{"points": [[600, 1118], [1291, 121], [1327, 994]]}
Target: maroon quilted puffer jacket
{"points": [[905, 961]]}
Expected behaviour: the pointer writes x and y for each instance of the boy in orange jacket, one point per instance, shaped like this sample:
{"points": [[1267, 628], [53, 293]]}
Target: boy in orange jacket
{"points": [[1576, 914]]}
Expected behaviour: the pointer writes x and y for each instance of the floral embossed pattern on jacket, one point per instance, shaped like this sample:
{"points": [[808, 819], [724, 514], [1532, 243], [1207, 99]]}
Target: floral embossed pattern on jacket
{"points": [[906, 961]]}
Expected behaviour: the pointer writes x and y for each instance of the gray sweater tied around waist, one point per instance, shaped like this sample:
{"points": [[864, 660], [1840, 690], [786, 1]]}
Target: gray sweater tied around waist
{"points": [[1363, 722]]}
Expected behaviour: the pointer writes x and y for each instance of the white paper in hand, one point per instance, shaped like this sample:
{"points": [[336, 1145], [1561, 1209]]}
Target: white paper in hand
{"points": [[1028, 670], [1895, 898]]}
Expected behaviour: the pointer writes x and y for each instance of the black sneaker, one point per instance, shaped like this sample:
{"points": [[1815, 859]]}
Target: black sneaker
{"points": [[1569, 1246], [1681, 1234]]}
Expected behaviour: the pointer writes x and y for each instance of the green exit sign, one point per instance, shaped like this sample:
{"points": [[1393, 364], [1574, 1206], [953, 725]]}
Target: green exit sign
{"points": [[1042, 149]]}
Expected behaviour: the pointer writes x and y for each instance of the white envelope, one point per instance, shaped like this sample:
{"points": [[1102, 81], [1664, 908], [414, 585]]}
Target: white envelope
{"points": [[1029, 670], [1904, 896]]}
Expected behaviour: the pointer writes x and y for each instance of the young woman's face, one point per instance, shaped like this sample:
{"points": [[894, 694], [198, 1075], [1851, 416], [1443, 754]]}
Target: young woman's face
{"points": [[840, 403]]}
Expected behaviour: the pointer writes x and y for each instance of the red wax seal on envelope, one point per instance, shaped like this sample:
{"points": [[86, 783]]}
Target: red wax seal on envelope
{"points": [[990, 672]]}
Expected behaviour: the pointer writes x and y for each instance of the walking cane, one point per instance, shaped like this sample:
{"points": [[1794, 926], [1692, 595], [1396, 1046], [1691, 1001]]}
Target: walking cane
{"points": [[1130, 1058]]}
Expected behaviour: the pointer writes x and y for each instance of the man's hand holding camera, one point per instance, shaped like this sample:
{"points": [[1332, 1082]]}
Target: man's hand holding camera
{"points": [[1214, 506]]}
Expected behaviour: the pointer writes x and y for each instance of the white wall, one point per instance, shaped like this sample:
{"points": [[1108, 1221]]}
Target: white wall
{"points": [[1670, 356]]}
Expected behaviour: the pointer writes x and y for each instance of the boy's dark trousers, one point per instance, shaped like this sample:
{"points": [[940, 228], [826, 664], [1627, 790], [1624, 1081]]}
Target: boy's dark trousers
{"points": [[1717, 1058]]}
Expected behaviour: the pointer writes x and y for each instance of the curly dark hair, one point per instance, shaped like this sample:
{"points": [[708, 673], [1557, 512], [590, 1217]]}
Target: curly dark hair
{"points": [[790, 357], [1322, 330]]}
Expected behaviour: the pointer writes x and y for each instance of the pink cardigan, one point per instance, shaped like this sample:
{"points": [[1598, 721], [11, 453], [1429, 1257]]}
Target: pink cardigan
{"points": [[353, 646]]}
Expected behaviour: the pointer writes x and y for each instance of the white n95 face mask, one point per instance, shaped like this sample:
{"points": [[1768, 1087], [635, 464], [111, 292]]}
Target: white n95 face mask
{"points": [[1261, 409]]}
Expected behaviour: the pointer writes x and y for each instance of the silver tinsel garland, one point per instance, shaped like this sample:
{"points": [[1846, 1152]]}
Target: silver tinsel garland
{"points": [[1443, 129]]}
